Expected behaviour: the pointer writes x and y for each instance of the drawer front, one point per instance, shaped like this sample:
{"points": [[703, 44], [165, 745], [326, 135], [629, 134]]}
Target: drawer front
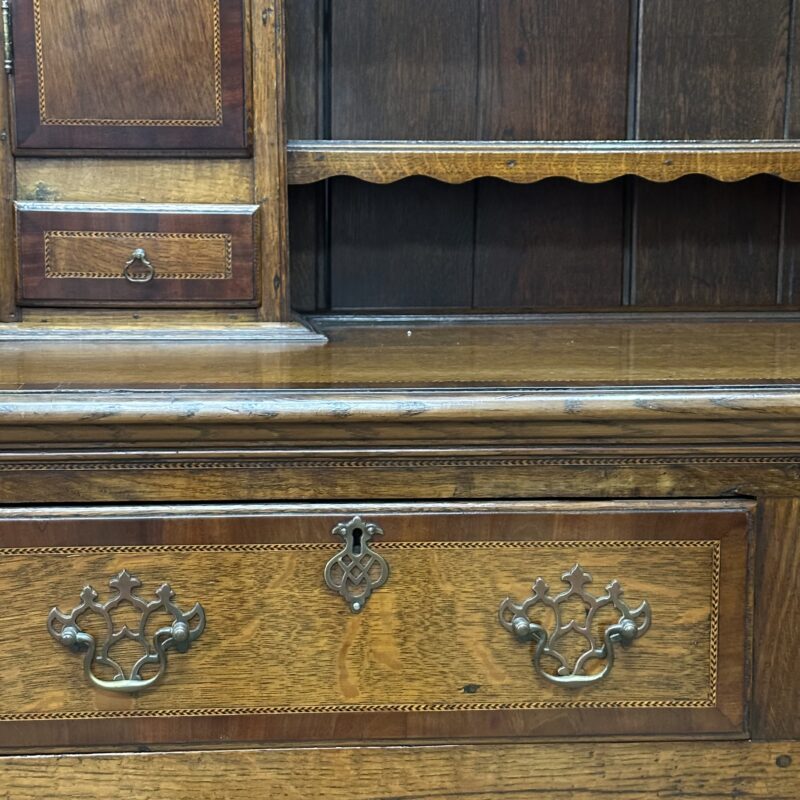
{"points": [[136, 255], [278, 654], [89, 74]]}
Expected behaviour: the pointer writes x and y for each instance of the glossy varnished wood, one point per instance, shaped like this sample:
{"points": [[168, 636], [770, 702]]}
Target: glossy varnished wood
{"points": [[81, 81], [396, 669], [411, 353], [690, 771]]}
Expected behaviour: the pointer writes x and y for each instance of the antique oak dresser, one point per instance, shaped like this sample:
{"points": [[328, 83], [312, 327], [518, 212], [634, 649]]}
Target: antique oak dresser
{"points": [[400, 399]]}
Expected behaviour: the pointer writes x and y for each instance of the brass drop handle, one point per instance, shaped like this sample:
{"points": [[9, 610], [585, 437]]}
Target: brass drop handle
{"points": [[179, 635], [138, 269], [632, 623]]}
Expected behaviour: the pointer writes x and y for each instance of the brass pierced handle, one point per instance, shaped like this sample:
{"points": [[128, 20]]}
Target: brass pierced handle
{"points": [[138, 269], [179, 635], [632, 623]]}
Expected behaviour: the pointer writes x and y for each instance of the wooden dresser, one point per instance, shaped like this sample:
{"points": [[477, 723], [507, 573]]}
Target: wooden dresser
{"points": [[481, 483]]}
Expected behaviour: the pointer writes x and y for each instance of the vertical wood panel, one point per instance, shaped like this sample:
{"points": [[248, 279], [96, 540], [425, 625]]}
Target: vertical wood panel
{"points": [[553, 69], [777, 634], [8, 307], [304, 62], [269, 154], [713, 69], [408, 246], [404, 70], [700, 243], [555, 244]]}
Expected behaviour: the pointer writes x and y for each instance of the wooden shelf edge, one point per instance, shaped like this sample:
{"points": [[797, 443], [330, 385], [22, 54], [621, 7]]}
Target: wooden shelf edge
{"points": [[529, 162]]}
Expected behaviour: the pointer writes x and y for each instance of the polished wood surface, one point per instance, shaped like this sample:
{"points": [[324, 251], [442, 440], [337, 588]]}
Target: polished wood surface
{"points": [[412, 354], [528, 162], [82, 81], [426, 656], [692, 771], [75, 254]]}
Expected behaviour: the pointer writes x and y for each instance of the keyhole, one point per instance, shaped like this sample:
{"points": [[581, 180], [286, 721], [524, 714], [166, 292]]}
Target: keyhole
{"points": [[357, 534]]}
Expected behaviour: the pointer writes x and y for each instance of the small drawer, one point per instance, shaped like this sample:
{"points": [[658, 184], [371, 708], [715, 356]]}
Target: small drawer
{"points": [[145, 256], [252, 622]]}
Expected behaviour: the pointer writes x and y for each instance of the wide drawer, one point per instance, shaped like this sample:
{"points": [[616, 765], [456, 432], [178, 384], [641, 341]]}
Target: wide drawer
{"points": [[126, 255], [275, 653]]}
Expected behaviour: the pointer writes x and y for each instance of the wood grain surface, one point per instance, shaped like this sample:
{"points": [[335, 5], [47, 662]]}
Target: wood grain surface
{"points": [[427, 643], [690, 771], [713, 70], [777, 692], [75, 254], [553, 70], [404, 70], [552, 246], [269, 156], [372, 235], [414, 354], [702, 244], [528, 162], [8, 279], [81, 81], [118, 180]]}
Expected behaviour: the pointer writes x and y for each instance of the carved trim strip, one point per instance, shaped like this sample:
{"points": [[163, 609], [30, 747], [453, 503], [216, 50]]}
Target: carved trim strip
{"points": [[195, 123], [224, 274], [709, 702], [398, 463]]}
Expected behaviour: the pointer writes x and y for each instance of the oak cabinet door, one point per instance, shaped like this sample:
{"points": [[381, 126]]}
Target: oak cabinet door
{"points": [[129, 74]]}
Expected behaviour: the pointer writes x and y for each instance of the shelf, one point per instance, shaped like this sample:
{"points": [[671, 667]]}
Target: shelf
{"points": [[528, 162]]}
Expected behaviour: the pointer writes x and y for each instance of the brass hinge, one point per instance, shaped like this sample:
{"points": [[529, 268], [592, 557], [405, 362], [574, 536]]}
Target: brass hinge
{"points": [[8, 45]]}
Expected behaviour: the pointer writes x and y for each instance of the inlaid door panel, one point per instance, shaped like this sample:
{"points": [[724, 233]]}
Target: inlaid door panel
{"points": [[129, 74]]}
